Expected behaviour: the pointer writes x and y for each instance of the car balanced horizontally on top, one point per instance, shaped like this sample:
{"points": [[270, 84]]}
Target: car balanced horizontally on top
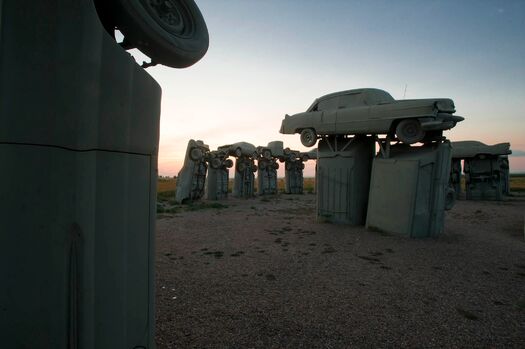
{"points": [[373, 111]]}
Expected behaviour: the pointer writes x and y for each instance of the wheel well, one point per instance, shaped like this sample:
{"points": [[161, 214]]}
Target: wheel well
{"points": [[393, 126], [299, 130]]}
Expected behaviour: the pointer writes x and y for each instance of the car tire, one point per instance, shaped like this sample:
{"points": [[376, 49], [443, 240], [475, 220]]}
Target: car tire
{"points": [[228, 163], [216, 163], [308, 137], [196, 154], [409, 131], [238, 152], [170, 32]]}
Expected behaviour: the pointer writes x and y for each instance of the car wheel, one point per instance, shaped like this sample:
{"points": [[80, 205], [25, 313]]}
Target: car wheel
{"points": [[409, 131], [450, 198], [228, 163], [170, 32], [195, 154], [308, 137], [215, 163], [238, 152]]}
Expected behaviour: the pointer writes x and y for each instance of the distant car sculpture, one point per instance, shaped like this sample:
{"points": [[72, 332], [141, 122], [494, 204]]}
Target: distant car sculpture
{"points": [[216, 187], [486, 169], [192, 176], [470, 149], [239, 149], [372, 111], [245, 153], [294, 165], [267, 167]]}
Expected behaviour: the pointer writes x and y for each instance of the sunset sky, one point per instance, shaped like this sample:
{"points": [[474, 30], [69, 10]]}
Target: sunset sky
{"points": [[268, 58]]}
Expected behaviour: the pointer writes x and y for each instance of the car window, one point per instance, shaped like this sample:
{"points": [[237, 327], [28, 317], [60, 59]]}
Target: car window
{"points": [[328, 104], [351, 100], [378, 97]]}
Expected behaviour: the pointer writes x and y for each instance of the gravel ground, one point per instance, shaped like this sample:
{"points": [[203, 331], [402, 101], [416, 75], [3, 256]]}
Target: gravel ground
{"points": [[262, 273]]}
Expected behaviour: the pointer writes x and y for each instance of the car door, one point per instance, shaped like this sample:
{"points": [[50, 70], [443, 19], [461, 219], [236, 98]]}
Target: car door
{"points": [[352, 114], [328, 107]]}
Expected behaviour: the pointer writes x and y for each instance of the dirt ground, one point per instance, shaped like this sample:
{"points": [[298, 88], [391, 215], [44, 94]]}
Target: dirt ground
{"points": [[261, 273]]}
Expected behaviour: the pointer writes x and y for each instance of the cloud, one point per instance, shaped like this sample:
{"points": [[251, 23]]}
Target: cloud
{"points": [[518, 153]]}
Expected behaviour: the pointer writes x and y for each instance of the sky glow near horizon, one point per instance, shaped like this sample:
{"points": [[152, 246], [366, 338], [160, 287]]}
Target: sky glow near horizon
{"points": [[269, 58]]}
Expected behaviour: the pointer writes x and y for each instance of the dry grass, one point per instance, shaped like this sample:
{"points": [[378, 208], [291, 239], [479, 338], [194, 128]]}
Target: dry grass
{"points": [[517, 183], [166, 184], [169, 184]]}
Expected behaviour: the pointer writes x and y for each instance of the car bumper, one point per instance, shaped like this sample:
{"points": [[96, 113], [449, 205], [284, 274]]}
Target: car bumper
{"points": [[442, 121]]}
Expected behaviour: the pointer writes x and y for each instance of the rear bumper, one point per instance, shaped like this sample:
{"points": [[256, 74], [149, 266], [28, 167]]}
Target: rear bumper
{"points": [[442, 121]]}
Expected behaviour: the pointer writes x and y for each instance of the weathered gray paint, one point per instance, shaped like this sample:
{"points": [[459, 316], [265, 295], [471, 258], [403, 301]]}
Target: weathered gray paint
{"points": [[267, 167], [343, 177], [277, 148], [192, 176], [78, 147], [293, 176], [217, 184], [244, 179], [486, 169], [267, 176], [471, 149], [408, 190], [483, 178], [293, 169], [370, 111], [218, 175]]}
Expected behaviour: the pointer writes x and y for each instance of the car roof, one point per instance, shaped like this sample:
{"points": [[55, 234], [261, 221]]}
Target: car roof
{"points": [[347, 92]]}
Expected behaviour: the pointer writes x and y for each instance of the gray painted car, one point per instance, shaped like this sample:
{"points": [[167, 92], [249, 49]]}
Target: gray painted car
{"points": [[239, 149], [192, 176], [372, 111], [470, 149]]}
